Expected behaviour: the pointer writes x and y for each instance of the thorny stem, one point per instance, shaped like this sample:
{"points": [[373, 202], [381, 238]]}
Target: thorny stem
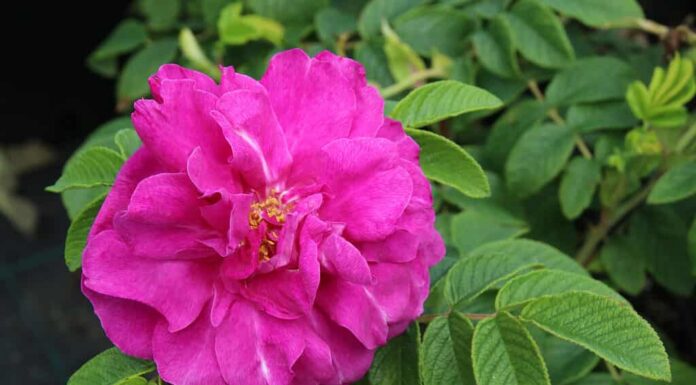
{"points": [[472, 316], [410, 81], [608, 220], [554, 115]]}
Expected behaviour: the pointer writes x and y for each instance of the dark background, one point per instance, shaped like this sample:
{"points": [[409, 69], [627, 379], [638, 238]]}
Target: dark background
{"points": [[47, 328]]}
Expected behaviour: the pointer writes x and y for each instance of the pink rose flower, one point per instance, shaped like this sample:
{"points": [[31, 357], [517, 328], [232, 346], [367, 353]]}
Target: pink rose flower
{"points": [[267, 232]]}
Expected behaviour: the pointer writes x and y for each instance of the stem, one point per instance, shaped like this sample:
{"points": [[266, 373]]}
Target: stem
{"points": [[472, 316], [341, 43], [410, 81], [608, 220], [556, 117], [662, 31]]}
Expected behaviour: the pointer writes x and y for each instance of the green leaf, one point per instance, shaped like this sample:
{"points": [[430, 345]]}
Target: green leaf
{"points": [[96, 166], [401, 58], [441, 100], [446, 162], [370, 20], [692, 245], [530, 286], [506, 89], [132, 83], [331, 23], [161, 14], [638, 98], [193, 52], [565, 361], [504, 353], [372, 56], [609, 328], [495, 49], [539, 35], [539, 155], [397, 363], [301, 11], [440, 28], [211, 11], [682, 374], [590, 79], [597, 379], [623, 264], [110, 367], [578, 186], [77, 233], [600, 116], [475, 227], [531, 251], [600, 13], [447, 351], [127, 141], [677, 184], [127, 36], [509, 127], [471, 276], [235, 29]]}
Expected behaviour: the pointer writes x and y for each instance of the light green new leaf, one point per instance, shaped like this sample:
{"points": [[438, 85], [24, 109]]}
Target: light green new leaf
{"points": [[590, 79], [397, 363], [475, 227], [194, 53], [441, 100], [623, 264], [537, 157], [578, 186], [677, 184], [110, 367], [370, 20], [471, 276], [535, 284], [440, 28], [401, 58], [609, 328], [600, 13], [77, 233], [96, 166], [495, 49], [446, 162], [539, 35], [447, 351], [565, 361], [127, 141], [600, 116], [237, 29], [132, 83], [504, 353]]}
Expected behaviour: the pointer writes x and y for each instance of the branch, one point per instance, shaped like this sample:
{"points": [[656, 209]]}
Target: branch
{"points": [[410, 81]]}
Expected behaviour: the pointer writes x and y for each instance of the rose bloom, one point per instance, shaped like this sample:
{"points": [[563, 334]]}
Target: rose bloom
{"points": [[267, 232]]}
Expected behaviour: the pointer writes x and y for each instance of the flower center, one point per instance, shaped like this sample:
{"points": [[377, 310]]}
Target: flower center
{"points": [[269, 215]]}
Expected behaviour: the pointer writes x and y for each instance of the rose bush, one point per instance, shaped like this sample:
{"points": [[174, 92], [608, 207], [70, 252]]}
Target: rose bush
{"points": [[267, 232]]}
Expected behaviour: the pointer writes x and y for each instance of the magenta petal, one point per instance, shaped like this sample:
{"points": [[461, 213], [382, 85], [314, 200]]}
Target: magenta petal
{"points": [[369, 112], [209, 175], [400, 289], [177, 72], [289, 301], [187, 356], [392, 130], [345, 260], [314, 102], [370, 191], [173, 128], [128, 324], [354, 308], [177, 289], [259, 151], [400, 246], [256, 349], [222, 300]]}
